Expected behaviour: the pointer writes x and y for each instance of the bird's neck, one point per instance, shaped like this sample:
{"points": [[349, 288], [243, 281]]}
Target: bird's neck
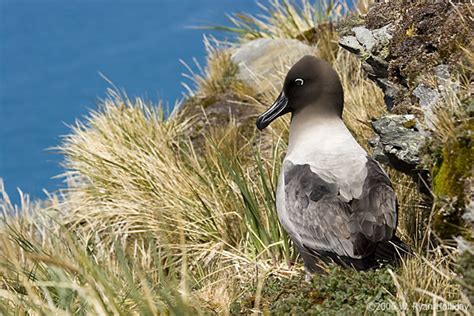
{"points": [[314, 130], [311, 120]]}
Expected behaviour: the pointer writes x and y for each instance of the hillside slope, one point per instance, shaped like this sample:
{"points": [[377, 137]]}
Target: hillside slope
{"points": [[177, 215]]}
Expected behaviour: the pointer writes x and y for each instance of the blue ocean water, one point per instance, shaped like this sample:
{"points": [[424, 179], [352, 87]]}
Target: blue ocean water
{"points": [[51, 53]]}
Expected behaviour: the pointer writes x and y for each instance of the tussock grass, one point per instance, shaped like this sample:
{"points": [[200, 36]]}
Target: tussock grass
{"points": [[46, 269], [428, 281], [219, 75], [310, 22], [207, 194], [149, 225], [137, 185], [285, 19]]}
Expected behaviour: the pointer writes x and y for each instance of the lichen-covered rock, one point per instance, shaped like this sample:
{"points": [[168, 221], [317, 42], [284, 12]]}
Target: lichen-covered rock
{"points": [[263, 57], [428, 97], [368, 42], [371, 47], [398, 142], [351, 44], [411, 51], [451, 181], [436, 86], [365, 37], [401, 41]]}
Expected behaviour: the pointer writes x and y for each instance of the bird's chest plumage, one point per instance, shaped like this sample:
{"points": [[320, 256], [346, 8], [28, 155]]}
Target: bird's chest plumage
{"points": [[330, 152], [333, 154]]}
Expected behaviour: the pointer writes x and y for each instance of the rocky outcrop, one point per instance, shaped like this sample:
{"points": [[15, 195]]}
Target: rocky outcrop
{"points": [[414, 51], [398, 141], [407, 54], [372, 47]]}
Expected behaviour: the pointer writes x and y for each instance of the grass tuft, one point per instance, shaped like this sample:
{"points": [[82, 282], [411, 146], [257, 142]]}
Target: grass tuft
{"points": [[151, 223]]}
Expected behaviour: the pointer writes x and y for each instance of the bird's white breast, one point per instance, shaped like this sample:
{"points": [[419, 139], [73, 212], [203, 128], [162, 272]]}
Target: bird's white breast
{"points": [[332, 153]]}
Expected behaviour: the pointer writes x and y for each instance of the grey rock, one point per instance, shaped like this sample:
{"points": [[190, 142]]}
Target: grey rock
{"points": [[442, 72], [351, 44], [463, 245], [469, 214], [444, 80], [383, 35], [398, 141], [376, 67], [378, 153], [427, 97], [368, 42], [365, 37], [261, 59], [390, 90], [372, 47]]}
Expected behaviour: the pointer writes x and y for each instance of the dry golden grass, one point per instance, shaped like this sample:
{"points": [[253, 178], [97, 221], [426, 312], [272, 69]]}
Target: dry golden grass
{"points": [[146, 225], [218, 77], [47, 269], [285, 19], [428, 281], [136, 185]]}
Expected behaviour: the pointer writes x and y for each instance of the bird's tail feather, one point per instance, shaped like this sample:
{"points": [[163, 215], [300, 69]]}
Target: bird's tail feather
{"points": [[391, 251], [386, 252]]}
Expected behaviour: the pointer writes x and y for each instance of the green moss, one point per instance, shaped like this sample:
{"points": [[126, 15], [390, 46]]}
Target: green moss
{"points": [[466, 269], [340, 292], [450, 180], [455, 167]]}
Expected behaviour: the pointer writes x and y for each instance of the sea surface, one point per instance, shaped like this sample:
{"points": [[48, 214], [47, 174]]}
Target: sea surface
{"points": [[52, 53]]}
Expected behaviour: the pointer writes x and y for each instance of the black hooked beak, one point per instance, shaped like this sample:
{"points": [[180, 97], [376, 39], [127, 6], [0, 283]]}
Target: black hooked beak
{"points": [[278, 108]]}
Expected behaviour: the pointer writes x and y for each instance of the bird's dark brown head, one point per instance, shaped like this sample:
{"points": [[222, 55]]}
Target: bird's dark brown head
{"points": [[310, 82]]}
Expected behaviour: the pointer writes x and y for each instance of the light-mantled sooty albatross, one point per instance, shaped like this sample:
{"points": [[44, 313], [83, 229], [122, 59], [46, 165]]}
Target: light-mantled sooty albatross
{"points": [[335, 202]]}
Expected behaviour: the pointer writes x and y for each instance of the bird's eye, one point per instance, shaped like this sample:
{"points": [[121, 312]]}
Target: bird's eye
{"points": [[299, 82]]}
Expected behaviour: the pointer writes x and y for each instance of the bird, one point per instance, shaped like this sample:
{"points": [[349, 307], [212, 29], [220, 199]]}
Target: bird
{"points": [[336, 202]]}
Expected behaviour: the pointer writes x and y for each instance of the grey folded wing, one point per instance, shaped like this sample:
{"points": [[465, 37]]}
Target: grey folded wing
{"points": [[319, 218]]}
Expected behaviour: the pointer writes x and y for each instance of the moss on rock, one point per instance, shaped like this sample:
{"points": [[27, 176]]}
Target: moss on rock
{"points": [[450, 181]]}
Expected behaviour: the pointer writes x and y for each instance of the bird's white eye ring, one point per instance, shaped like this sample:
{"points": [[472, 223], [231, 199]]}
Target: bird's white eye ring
{"points": [[299, 82]]}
